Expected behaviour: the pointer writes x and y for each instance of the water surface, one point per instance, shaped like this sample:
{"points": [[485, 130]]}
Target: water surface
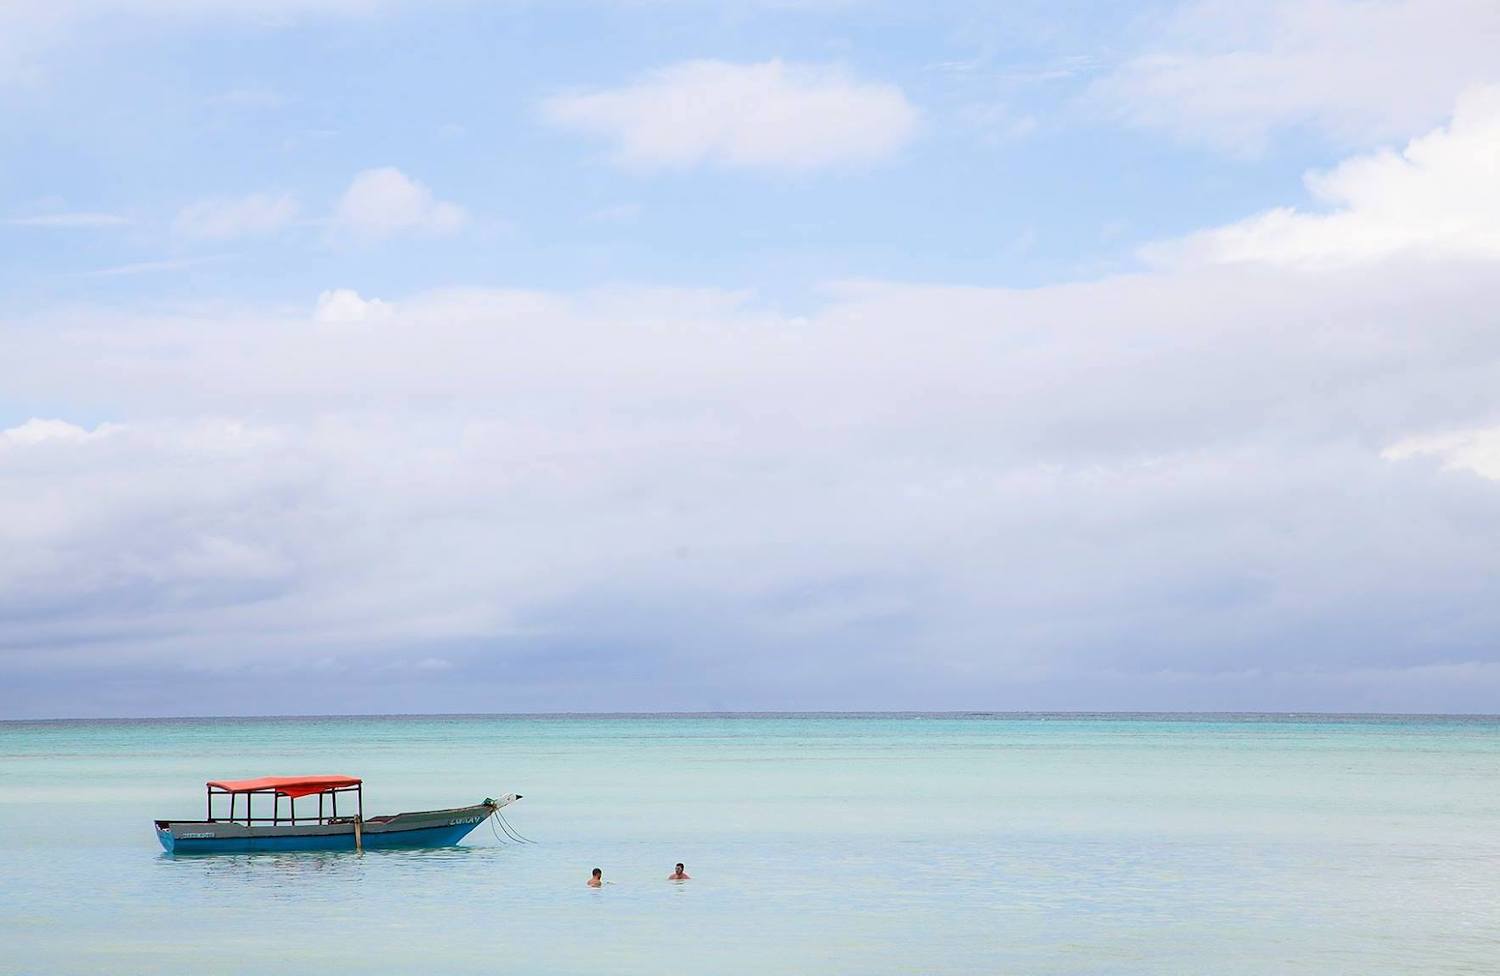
{"points": [[871, 844]]}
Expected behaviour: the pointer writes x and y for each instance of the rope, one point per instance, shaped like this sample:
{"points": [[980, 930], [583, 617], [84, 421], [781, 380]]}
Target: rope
{"points": [[505, 824]]}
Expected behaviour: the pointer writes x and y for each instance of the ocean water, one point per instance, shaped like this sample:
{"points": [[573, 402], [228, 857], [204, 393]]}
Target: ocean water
{"points": [[817, 844]]}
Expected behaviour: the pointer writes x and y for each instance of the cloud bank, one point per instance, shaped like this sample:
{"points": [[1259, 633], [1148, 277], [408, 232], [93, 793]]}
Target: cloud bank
{"points": [[1174, 488]]}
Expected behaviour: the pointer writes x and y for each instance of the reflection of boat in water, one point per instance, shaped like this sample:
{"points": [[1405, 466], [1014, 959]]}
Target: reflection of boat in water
{"points": [[240, 831]]}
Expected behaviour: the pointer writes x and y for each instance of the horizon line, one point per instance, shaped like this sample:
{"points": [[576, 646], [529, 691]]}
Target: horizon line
{"points": [[957, 713]]}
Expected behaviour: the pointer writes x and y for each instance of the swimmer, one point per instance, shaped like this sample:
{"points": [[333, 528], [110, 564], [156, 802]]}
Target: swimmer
{"points": [[597, 879], [679, 874]]}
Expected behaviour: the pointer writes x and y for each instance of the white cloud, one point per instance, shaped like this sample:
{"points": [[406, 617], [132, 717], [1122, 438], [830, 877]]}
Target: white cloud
{"points": [[343, 306], [70, 221], [224, 218], [1438, 199], [769, 115], [38, 430], [384, 202], [1476, 451], [1232, 72]]}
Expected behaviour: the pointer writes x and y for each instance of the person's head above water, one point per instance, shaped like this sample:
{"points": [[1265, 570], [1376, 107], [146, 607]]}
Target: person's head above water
{"points": [[679, 874], [598, 872]]}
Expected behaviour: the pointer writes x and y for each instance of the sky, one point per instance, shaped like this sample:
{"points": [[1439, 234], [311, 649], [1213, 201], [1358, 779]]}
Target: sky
{"points": [[655, 355]]}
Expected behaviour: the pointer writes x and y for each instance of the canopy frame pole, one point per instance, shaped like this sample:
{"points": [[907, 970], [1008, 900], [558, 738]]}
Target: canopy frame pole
{"points": [[328, 806]]}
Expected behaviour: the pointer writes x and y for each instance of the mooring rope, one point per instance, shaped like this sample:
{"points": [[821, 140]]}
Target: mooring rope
{"points": [[505, 824]]}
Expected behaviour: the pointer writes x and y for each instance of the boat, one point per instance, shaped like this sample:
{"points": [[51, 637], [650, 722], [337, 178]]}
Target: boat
{"points": [[238, 830]]}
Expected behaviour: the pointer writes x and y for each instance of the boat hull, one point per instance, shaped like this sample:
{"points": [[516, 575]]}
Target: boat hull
{"points": [[427, 828]]}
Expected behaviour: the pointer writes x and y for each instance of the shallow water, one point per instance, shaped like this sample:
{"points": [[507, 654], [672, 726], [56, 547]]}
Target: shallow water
{"points": [[877, 844]]}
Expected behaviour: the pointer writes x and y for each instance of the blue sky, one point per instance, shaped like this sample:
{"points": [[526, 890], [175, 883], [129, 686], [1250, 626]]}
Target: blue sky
{"points": [[367, 355], [1011, 177]]}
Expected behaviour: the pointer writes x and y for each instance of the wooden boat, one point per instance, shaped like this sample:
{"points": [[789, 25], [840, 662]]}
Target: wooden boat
{"points": [[240, 831]]}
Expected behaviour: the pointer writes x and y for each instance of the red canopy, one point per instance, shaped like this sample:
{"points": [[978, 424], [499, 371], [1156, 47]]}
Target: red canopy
{"points": [[293, 786]]}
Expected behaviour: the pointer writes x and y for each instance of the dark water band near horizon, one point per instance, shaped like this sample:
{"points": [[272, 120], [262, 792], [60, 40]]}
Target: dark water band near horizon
{"points": [[872, 843]]}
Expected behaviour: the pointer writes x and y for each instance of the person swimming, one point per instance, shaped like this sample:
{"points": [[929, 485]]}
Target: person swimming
{"points": [[596, 880], [679, 874]]}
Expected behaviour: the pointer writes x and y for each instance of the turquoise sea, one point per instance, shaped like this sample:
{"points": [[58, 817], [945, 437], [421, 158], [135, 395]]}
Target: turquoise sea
{"points": [[817, 844]]}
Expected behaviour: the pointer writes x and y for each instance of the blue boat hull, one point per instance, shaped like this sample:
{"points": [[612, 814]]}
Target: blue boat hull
{"points": [[428, 828], [422, 837]]}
